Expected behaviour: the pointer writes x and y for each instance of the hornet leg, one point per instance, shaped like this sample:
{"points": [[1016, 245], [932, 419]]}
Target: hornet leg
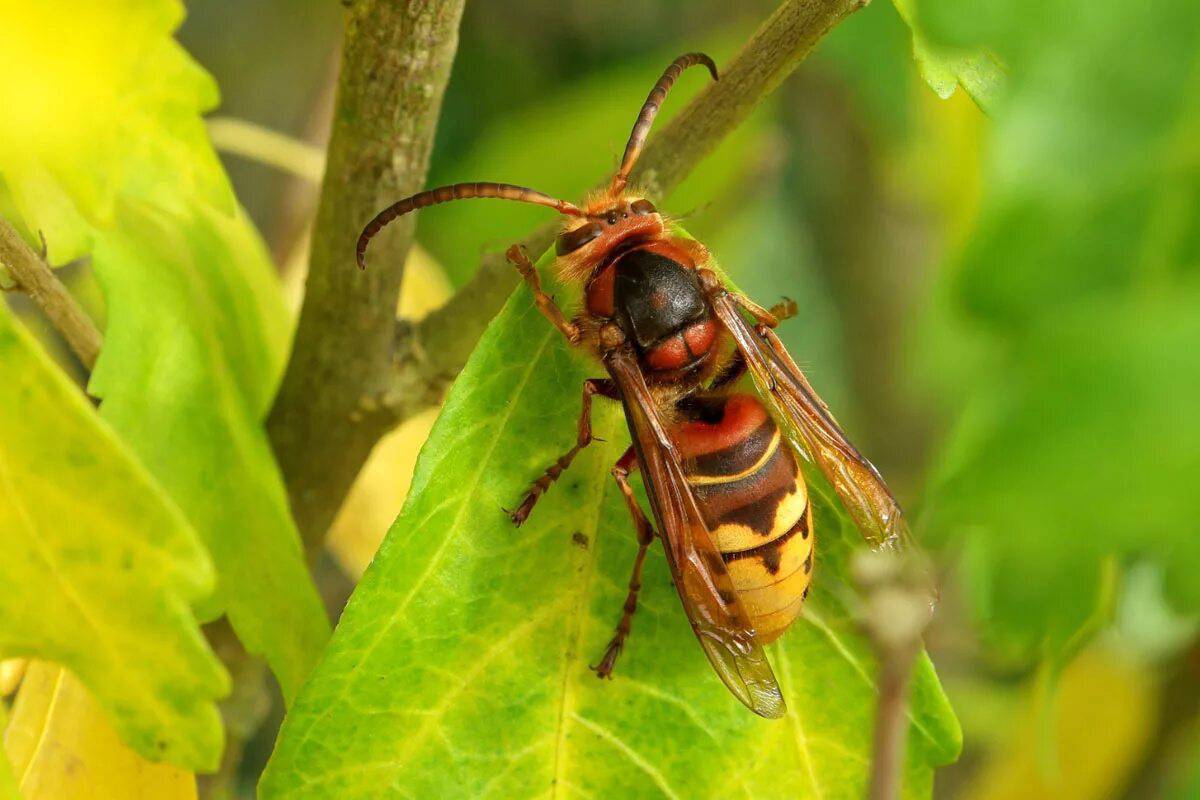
{"points": [[784, 309], [545, 303], [645, 535], [601, 386], [760, 314]]}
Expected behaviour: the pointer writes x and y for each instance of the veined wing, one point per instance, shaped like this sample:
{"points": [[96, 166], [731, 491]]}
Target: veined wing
{"points": [[813, 429], [703, 582]]}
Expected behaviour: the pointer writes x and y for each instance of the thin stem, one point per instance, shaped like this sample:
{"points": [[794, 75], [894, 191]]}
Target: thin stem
{"points": [[891, 725], [897, 607], [35, 277], [396, 60]]}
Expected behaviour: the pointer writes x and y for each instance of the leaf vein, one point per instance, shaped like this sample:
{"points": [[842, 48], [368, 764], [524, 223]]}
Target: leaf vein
{"points": [[636, 758]]}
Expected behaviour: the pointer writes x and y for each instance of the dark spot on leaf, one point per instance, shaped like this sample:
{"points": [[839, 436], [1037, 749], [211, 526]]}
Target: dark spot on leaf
{"points": [[580, 539]]}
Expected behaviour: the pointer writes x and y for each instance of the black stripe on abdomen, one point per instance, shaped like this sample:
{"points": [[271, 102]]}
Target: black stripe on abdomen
{"points": [[737, 457], [750, 499], [770, 551]]}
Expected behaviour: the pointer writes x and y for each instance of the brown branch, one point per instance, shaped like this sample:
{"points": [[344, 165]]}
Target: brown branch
{"points": [[896, 610], [396, 60], [430, 354], [35, 277]]}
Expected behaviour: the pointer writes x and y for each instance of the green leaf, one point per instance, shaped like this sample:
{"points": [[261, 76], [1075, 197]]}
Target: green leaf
{"points": [[977, 70], [462, 658], [1077, 294], [1101, 398], [186, 376], [104, 151], [99, 568]]}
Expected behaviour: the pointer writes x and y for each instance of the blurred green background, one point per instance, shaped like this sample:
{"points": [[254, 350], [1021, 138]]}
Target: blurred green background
{"points": [[1001, 307]]}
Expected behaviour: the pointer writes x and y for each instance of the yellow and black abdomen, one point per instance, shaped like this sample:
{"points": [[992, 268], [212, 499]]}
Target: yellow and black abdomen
{"points": [[753, 497]]}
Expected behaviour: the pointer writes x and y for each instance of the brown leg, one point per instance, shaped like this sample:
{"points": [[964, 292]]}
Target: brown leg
{"points": [[601, 386], [784, 309], [645, 534], [759, 313], [545, 303]]}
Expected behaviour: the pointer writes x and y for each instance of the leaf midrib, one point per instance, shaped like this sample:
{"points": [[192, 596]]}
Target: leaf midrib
{"points": [[435, 559], [581, 615]]}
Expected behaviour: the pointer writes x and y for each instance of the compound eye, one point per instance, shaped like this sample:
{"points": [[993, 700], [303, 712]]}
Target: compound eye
{"points": [[643, 207], [571, 241]]}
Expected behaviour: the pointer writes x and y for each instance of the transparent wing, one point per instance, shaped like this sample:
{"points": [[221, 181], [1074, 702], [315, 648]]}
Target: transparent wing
{"points": [[813, 429], [703, 583]]}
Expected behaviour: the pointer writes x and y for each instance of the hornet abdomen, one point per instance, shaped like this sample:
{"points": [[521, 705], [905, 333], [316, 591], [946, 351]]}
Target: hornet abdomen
{"points": [[753, 497]]}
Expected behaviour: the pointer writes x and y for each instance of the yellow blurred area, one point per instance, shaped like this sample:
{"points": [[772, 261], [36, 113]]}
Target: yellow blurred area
{"points": [[84, 112], [85, 57], [62, 747], [1101, 717], [12, 670], [379, 492], [945, 161]]}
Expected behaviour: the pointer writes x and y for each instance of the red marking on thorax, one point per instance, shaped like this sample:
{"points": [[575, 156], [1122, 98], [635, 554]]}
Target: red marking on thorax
{"points": [[668, 354], [683, 348], [667, 249], [598, 295], [700, 336], [743, 414], [599, 292]]}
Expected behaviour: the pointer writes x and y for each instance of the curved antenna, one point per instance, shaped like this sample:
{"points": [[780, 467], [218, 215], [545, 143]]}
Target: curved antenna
{"points": [[456, 191], [641, 128]]}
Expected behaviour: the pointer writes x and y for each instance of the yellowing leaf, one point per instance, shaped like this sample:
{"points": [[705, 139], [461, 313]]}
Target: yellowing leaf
{"points": [[378, 494], [462, 658], [99, 567], [62, 747], [103, 149], [8, 784], [185, 376], [1101, 719], [99, 102]]}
